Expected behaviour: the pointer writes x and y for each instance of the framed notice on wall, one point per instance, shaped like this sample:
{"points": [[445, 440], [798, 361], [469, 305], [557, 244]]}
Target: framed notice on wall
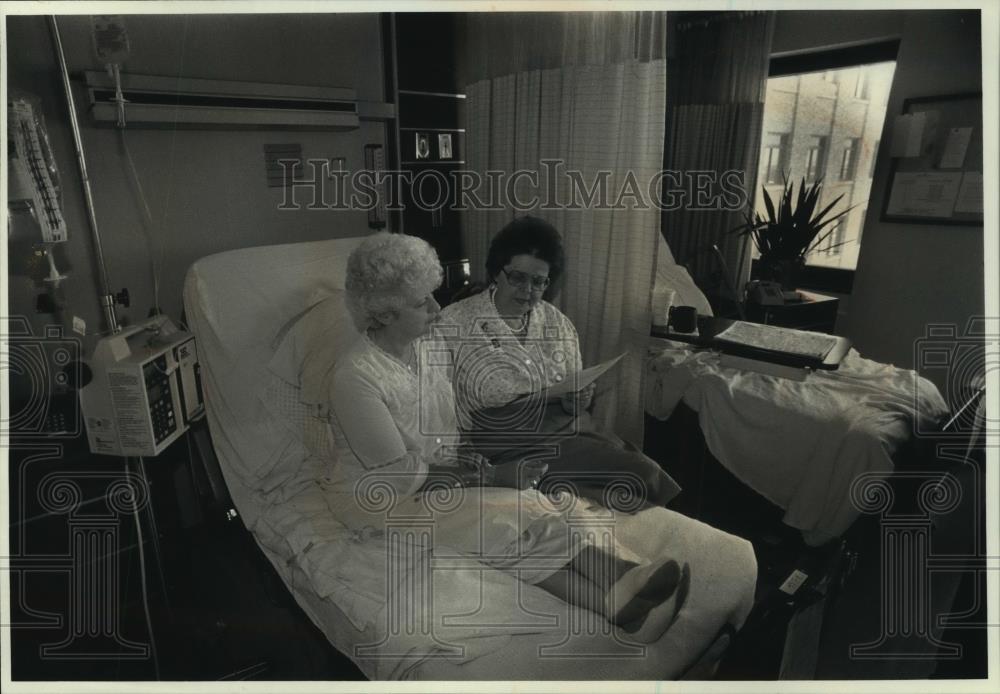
{"points": [[937, 162]]}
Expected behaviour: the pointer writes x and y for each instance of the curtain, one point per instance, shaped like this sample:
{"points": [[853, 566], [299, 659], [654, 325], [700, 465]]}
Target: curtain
{"points": [[586, 90], [717, 78], [495, 44]]}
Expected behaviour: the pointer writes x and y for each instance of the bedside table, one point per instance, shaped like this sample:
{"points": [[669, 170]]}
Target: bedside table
{"points": [[816, 312]]}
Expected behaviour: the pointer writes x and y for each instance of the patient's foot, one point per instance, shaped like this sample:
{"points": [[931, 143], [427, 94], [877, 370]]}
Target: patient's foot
{"points": [[640, 588], [648, 615]]}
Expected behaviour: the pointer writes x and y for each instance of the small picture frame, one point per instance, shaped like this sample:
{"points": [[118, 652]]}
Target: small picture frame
{"points": [[423, 146], [444, 146]]}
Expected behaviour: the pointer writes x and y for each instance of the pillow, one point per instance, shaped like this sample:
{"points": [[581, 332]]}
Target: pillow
{"points": [[308, 346], [670, 275]]}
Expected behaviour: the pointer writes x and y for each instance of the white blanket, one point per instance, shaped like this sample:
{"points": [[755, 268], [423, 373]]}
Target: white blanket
{"points": [[457, 619], [800, 444]]}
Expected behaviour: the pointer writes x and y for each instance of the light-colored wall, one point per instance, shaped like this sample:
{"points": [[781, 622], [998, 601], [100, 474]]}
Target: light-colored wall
{"points": [[206, 190], [912, 275]]}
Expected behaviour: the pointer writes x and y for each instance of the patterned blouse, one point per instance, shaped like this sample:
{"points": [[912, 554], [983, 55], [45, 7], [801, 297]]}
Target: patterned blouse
{"points": [[493, 365]]}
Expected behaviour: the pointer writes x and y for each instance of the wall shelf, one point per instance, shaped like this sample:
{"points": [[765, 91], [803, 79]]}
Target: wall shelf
{"points": [[419, 92], [430, 118], [433, 130], [157, 101]]}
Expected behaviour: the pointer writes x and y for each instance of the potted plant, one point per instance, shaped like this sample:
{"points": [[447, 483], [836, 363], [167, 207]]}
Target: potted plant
{"points": [[789, 232]]}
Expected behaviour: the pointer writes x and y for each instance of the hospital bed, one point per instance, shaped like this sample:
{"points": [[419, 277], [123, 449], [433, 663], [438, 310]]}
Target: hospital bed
{"points": [[254, 314]]}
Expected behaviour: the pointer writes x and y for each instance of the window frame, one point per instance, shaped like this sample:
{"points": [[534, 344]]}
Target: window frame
{"points": [[849, 159], [835, 242], [816, 158], [871, 166], [861, 87], [817, 277], [781, 164]]}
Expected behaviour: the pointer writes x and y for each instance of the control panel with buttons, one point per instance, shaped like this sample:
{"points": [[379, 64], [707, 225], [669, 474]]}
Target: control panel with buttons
{"points": [[161, 406], [145, 391]]}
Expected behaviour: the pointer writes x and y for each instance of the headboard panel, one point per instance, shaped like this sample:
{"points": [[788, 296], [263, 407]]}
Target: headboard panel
{"points": [[247, 295]]}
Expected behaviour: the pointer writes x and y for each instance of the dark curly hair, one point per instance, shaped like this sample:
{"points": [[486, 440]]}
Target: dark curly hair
{"points": [[527, 236]]}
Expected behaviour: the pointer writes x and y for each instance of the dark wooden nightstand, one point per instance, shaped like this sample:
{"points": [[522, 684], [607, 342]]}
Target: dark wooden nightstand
{"points": [[817, 312]]}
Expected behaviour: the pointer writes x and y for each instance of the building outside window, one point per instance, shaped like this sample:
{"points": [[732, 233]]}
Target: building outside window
{"points": [[774, 161], [861, 85], [874, 156], [816, 159], [833, 244], [803, 113], [849, 159]]}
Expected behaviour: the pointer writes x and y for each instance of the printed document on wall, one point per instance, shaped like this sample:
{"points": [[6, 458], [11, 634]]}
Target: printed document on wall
{"points": [[955, 147], [970, 194], [923, 194]]}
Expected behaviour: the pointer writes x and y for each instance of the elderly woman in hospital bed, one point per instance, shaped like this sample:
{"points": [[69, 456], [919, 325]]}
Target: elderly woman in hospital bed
{"points": [[508, 342], [396, 415]]}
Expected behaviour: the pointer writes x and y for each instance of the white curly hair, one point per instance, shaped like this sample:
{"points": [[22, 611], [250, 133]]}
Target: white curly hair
{"points": [[386, 271]]}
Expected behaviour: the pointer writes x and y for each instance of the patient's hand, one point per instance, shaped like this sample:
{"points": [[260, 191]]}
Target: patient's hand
{"points": [[519, 475], [475, 469], [574, 403], [453, 476]]}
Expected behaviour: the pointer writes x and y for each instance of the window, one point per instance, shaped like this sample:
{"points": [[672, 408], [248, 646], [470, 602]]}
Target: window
{"points": [[814, 132], [849, 160], [773, 158], [861, 84], [816, 159], [834, 241]]}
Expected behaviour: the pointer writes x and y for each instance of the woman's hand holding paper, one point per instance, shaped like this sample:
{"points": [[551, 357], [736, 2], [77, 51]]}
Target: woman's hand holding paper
{"points": [[574, 403]]}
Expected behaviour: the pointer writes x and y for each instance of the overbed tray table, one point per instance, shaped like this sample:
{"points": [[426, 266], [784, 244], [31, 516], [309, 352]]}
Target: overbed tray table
{"points": [[710, 327]]}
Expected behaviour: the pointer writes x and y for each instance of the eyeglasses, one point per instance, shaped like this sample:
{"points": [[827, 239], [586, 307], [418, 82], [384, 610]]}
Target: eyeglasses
{"points": [[519, 279]]}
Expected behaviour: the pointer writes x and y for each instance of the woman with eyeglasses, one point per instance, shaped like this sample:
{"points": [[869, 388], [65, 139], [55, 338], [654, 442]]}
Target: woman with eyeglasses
{"points": [[507, 345]]}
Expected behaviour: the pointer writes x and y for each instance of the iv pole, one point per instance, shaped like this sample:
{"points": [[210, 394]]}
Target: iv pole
{"points": [[107, 299]]}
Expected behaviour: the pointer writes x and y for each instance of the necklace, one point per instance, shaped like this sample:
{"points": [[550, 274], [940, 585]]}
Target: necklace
{"points": [[520, 329], [407, 362]]}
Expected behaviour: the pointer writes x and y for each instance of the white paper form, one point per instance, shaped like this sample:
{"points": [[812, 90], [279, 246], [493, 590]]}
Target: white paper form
{"points": [[908, 134], [580, 380], [955, 147], [970, 193], [923, 194]]}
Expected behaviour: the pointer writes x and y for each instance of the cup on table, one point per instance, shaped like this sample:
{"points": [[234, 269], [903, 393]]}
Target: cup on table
{"points": [[663, 299], [683, 319]]}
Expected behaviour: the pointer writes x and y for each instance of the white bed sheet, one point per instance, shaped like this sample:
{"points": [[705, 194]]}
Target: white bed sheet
{"points": [[236, 303], [485, 624], [800, 444]]}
